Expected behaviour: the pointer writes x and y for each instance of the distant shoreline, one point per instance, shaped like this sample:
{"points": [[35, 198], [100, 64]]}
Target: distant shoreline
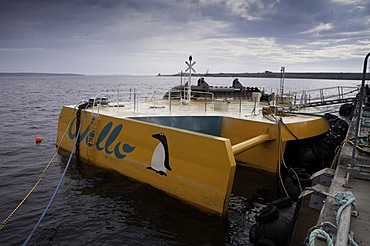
{"points": [[40, 74], [316, 75], [323, 75]]}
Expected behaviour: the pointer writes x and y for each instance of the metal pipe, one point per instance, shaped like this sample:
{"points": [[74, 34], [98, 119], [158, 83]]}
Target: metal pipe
{"points": [[240, 105], [343, 227], [205, 105], [117, 102], [134, 100], [360, 105], [250, 143], [170, 99]]}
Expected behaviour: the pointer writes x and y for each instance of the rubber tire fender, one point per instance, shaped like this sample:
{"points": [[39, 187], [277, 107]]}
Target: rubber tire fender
{"points": [[265, 242], [268, 214], [282, 202]]}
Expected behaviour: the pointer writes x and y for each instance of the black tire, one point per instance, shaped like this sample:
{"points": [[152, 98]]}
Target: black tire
{"points": [[268, 214], [283, 202], [265, 242]]}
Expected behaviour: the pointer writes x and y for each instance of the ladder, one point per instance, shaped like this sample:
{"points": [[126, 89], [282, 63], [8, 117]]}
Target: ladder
{"points": [[95, 119]]}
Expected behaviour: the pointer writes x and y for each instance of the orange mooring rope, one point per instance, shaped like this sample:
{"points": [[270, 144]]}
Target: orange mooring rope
{"points": [[40, 178]]}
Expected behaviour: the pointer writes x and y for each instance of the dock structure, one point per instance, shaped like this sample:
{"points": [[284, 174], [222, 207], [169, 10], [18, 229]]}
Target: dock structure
{"points": [[327, 102], [320, 97], [353, 177], [336, 208]]}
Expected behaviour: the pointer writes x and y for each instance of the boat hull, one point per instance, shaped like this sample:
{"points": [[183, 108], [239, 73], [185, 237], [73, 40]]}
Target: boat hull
{"points": [[193, 167], [265, 156], [192, 158]]}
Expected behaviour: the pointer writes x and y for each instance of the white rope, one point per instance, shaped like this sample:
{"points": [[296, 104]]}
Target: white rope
{"points": [[320, 232], [344, 199]]}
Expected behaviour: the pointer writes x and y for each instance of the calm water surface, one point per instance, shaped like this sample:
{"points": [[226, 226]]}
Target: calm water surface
{"points": [[95, 206]]}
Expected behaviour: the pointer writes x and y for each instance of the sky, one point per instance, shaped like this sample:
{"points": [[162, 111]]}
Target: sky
{"points": [[147, 37]]}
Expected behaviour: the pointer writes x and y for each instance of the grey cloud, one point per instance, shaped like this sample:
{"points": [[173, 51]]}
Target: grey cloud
{"points": [[120, 29]]}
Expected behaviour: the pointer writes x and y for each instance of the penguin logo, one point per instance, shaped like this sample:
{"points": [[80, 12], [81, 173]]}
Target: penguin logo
{"points": [[160, 159]]}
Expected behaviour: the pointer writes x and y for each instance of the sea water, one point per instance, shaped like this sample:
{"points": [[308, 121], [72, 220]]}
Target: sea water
{"points": [[95, 206]]}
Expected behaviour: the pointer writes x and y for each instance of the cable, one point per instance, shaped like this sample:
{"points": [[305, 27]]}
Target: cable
{"points": [[280, 156], [56, 190], [40, 178], [282, 160]]}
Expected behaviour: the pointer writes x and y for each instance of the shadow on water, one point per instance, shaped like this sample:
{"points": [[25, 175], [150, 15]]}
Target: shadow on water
{"points": [[130, 212]]}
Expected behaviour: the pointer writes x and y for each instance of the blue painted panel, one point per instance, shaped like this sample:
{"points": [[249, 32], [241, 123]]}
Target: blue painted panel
{"points": [[203, 124]]}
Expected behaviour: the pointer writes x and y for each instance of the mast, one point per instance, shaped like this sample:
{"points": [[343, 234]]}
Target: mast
{"points": [[189, 69], [282, 70]]}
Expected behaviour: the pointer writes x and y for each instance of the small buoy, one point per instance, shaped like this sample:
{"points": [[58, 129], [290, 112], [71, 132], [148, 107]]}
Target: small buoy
{"points": [[38, 140]]}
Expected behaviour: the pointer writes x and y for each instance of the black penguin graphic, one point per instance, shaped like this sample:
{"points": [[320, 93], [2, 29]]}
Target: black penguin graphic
{"points": [[160, 159]]}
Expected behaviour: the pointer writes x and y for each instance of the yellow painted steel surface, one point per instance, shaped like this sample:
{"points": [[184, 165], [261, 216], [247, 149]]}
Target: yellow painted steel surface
{"points": [[196, 168], [250, 143], [264, 155]]}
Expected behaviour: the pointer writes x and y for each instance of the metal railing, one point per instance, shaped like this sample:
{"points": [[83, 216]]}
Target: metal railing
{"points": [[360, 103], [200, 95], [116, 99], [321, 97], [132, 99]]}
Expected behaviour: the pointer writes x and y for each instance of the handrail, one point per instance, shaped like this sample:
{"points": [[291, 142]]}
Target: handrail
{"points": [[327, 89], [132, 97], [335, 93], [357, 131], [114, 99], [170, 97]]}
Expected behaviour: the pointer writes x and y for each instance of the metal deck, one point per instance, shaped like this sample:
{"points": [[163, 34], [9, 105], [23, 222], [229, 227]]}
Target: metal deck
{"points": [[350, 179], [351, 175]]}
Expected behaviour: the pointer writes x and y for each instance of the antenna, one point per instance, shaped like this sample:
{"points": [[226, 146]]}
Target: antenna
{"points": [[282, 70], [189, 69]]}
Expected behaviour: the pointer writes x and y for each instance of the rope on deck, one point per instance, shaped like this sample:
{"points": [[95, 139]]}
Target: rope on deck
{"points": [[40, 178], [320, 232], [57, 188], [363, 143], [342, 199]]}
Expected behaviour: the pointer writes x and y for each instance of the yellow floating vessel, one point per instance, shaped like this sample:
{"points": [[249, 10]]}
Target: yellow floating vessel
{"points": [[186, 148]]}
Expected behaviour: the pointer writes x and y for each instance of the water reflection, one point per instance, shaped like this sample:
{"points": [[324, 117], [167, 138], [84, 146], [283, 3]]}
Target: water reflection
{"points": [[104, 199]]}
